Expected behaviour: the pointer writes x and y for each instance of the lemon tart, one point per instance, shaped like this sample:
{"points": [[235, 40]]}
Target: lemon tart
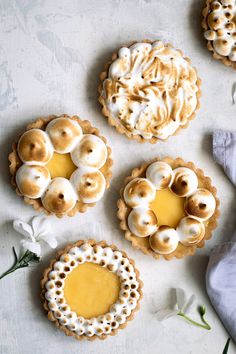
{"points": [[149, 91], [61, 165], [168, 208], [219, 24], [91, 290]]}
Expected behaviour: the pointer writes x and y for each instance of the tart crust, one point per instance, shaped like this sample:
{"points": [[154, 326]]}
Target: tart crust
{"points": [[121, 128], [142, 243], [50, 315], [15, 163], [225, 60]]}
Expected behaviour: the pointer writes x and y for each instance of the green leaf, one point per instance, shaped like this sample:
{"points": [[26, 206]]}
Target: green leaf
{"points": [[226, 348]]}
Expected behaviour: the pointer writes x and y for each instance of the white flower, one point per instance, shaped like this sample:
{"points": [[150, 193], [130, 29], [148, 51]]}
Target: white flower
{"points": [[182, 305], [35, 233]]}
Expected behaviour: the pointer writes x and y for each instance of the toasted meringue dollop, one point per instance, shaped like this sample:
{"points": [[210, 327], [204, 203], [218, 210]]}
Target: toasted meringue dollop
{"points": [[165, 240], [185, 181], [60, 196], [142, 221], [160, 174], [91, 151], [89, 183], [200, 204], [34, 147], [64, 134], [138, 192], [190, 231], [32, 180]]}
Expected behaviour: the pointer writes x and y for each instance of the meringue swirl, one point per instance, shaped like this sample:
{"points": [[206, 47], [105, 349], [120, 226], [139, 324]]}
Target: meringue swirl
{"points": [[160, 174], [151, 90], [200, 204], [165, 240], [64, 134], [89, 184], [34, 147], [142, 222], [139, 191], [190, 231], [185, 181]]}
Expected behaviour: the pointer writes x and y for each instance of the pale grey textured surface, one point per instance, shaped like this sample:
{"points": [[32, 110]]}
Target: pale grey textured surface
{"points": [[51, 55]]}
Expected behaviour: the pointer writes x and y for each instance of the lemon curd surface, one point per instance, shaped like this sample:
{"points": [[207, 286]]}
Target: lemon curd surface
{"points": [[168, 207], [61, 165], [91, 289]]}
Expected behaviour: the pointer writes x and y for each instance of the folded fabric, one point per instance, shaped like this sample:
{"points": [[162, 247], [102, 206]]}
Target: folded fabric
{"points": [[221, 270]]}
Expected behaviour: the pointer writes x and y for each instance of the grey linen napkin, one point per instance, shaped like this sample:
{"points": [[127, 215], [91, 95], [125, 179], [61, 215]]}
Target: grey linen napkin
{"points": [[221, 270]]}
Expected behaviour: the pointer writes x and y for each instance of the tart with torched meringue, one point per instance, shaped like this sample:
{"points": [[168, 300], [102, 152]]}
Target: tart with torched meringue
{"points": [[91, 290], [168, 208], [61, 165], [219, 24], [149, 91]]}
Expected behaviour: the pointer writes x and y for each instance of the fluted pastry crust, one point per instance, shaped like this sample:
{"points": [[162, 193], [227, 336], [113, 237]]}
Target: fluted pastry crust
{"points": [[220, 35], [122, 128], [143, 243], [50, 313], [15, 163]]}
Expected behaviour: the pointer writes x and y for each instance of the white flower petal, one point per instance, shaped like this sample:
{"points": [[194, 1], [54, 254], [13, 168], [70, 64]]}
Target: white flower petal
{"points": [[40, 226], [180, 298], [189, 303], [24, 229], [49, 239], [32, 247], [165, 314]]}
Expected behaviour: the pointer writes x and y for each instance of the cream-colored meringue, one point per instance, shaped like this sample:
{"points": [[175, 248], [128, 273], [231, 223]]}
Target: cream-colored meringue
{"points": [[89, 184], [151, 89], [165, 240], [91, 151], [32, 180], [34, 147], [64, 134], [184, 182], [200, 204], [142, 221], [160, 174], [138, 192], [190, 231], [60, 196]]}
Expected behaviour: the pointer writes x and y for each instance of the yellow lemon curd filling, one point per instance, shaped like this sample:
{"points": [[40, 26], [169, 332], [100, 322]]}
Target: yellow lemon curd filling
{"points": [[168, 207], [61, 165], [91, 289]]}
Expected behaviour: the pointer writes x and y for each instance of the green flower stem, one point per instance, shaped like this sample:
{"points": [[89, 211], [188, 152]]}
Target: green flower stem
{"points": [[205, 325], [24, 261], [226, 348]]}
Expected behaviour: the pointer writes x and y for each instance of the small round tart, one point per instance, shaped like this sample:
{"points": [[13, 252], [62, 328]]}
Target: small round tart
{"points": [[175, 220], [91, 290], [149, 91], [61, 165], [219, 23]]}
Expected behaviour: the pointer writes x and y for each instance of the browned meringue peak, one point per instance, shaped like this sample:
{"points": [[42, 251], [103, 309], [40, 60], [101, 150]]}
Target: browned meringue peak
{"points": [[165, 240], [64, 134], [190, 231], [142, 221], [185, 182], [34, 147], [91, 151], [32, 180], [59, 197], [89, 184], [139, 191], [200, 204]]}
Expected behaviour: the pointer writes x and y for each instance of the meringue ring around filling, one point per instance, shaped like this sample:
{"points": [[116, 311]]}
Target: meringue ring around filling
{"points": [[150, 89], [91, 290], [168, 206], [61, 165]]}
